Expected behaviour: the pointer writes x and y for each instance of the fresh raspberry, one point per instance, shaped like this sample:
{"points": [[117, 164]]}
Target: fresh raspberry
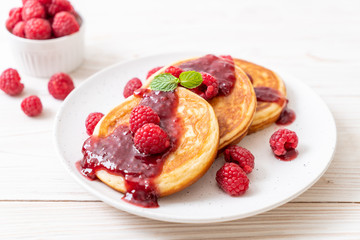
{"points": [[132, 85], [64, 24], [232, 179], [91, 122], [282, 141], [14, 18], [151, 139], [59, 6], [45, 2], [152, 71], [37, 28], [33, 9], [141, 115], [60, 85], [31, 106], [241, 156], [10, 82], [19, 29], [209, 88], [175, 71]]}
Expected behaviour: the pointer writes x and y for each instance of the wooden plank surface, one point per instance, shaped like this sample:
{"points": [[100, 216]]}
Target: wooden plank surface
{"points": [[316, 41], [96, 220]]}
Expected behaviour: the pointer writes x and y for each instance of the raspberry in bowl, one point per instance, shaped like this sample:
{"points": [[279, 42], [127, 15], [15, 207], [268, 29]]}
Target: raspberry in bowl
{"points": [[46, 37]]}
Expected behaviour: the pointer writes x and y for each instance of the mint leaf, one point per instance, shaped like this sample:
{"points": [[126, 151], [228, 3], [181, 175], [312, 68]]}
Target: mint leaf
{"points": [[164, 82], [190, 79]]}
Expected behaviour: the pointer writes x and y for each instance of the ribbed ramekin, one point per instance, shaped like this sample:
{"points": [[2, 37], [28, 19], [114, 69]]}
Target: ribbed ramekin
{"points": [[43, 58]]}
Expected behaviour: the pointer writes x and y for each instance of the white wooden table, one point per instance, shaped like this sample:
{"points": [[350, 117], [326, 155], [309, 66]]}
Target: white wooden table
{"points": [[316, 41]]}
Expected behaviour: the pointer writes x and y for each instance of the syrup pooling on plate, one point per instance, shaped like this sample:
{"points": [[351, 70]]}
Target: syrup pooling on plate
{"points": [[222, 70], [287, 116], [117, 154], [266, 94]]}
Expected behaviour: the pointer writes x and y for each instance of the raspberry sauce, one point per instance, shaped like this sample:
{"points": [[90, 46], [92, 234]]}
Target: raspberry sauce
{"points": [[289, 155], [287, 116], [117, 154], [223, 70], [266, 94]]}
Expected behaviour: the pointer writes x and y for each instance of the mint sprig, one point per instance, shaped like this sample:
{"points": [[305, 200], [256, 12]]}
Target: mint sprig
{"points": [[166, 82]]}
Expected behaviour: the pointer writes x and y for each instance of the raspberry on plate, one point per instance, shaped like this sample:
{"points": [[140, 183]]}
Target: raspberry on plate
{"points": [[241, 156], [10, 82], [19, 29], [59, 6], [60, 85], [152, 71], [151, 139], [64, 24], [14, 18], [91, 122], [31, 106], [209, 88], [282, 141], [175, 71], [37, 28], [132, 85], [232, 179], [141, 115], [33, 9]]}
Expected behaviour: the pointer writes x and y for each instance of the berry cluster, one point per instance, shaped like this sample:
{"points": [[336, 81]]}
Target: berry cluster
{"points": [[43, 19], [232, 177], [59, 86], [149, 137]]}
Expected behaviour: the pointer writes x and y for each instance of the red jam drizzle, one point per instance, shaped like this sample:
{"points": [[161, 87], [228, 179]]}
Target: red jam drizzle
{"points": [[250, 78], [222, 69], [287, 116], [266, 94], [289, 155], [117, 154]]}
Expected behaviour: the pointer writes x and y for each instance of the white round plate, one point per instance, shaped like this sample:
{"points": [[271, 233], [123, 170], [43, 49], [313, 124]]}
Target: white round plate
{"points": [[272, 183]]}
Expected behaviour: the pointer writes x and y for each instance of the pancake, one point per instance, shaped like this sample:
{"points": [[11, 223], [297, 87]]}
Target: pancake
{"points": [[235, 111], [266, 112], [196, 147]]}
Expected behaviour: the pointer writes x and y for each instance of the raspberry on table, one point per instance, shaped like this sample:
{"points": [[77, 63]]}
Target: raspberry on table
{"points": [[60, 85], [232, 179], [37, 28], [19, 29], [283, 140], [14, 18], [141, 115], [209, 88], [152, 71], [132, 85], [33, 9], [175, 71], [241, 156], [151, 139], [59, 6], [91, 122], [32, 106], [64, 24], [10, 82]]}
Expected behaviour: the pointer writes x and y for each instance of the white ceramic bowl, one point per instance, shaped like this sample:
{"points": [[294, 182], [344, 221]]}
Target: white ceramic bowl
{"points": [[43, 58]]}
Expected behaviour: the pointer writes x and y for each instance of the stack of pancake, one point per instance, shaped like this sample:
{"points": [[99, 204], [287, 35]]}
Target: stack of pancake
{"points": [[208, 126]]}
